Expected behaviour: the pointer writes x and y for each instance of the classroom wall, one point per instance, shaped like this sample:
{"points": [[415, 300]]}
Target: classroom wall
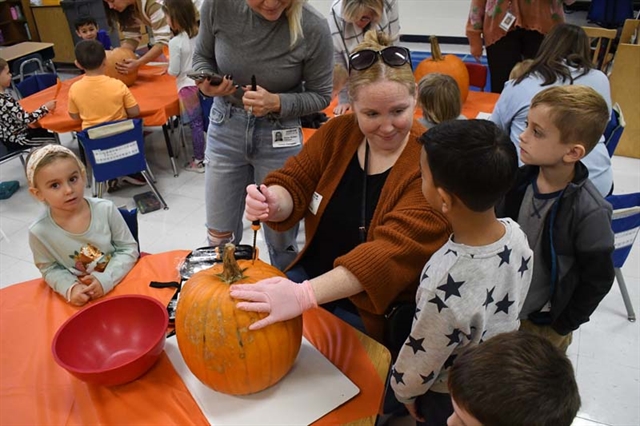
{"points": [[424, 17]]}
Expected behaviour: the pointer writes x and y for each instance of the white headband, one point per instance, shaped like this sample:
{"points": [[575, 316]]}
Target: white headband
{"points": [[40, 153]]}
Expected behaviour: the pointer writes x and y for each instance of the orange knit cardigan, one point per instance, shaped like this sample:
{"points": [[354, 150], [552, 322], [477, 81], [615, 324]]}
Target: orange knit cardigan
{"points": [[404, 231]]}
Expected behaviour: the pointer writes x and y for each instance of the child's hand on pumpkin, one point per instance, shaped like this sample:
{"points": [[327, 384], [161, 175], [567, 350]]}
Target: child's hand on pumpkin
{"points": [[281, 298], [258, 204], [78, 297], [93, 287]]}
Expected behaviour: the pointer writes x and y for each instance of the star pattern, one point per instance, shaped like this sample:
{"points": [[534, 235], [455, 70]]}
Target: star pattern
{"points": [[424, 274], [503, 305], [451, 288], [524, 266], [454, 337], [489, 298], [415, 315], [449, 362], [439, 303], [415, 344], [455, 253], [398, 376], [427, 379], [504, 256]]}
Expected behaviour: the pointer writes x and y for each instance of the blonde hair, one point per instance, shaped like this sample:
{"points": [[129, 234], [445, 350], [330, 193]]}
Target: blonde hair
{"points": [[45, 155], [579, 113], [520, 68], [294, 17], [352, 10], [379, 71], [439, 97]]}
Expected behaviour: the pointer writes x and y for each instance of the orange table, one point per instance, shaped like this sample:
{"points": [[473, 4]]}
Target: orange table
{"points": [[34, 390], [156, 94], [476, 102]]}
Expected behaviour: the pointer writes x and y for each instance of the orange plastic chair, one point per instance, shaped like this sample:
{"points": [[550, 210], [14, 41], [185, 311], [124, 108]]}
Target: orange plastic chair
{"points": [[477, 75]]}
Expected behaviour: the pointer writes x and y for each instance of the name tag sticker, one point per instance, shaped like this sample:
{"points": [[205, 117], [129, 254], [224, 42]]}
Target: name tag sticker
{"points": [[285, 138], [316, 199], [508, 21]]}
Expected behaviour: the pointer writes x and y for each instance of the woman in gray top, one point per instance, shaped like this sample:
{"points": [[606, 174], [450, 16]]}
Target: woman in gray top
{"points": [[277, 60]]}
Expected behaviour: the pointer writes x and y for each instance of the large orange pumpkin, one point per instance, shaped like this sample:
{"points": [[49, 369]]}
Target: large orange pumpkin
{"points": [[447, 64], [213, 336], [118, 55]]}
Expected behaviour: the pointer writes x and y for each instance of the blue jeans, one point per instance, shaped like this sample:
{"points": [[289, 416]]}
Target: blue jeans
{"points": [[240, 152]]}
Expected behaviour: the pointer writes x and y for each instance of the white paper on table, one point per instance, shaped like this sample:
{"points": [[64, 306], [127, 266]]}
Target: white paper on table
{"points": [[312, 388], [484, 116]]}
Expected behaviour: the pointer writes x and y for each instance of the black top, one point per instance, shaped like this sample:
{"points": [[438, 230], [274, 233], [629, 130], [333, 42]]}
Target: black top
{"points": [[337, 232]]}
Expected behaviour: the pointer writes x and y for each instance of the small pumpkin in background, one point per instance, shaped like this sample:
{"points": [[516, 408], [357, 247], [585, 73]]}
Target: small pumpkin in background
{"points": [[116, 55], [214, 337], [447, 64]]}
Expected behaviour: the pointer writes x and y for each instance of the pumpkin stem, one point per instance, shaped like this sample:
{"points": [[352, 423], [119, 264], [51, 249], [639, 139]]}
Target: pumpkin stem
{"points": [[436, 54], [231, 271]]}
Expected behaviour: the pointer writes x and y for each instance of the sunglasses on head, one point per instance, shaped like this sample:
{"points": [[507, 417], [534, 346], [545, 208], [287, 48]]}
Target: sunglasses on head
{"points": [[394, 56]]}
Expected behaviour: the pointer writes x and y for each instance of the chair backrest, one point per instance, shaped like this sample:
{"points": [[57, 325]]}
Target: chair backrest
{"points": [[9, 152], [35, 83], [131, 219], [477, 75], [114, 149], [614, 129], [625, 224], [603, 39], [205, 105], [27, 65]]}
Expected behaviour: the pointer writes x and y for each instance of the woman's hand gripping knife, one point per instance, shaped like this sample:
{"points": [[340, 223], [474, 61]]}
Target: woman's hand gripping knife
{"points": [[281, 298]]}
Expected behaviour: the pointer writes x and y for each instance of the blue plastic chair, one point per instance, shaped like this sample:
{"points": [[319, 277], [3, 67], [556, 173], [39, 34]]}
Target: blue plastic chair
{"points": [[625, 224], [614, 129], [116, 149], [35, 83]]}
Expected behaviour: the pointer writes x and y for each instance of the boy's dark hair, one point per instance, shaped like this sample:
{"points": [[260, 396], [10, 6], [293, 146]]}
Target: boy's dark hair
{"points": [[579, 112], [90, 54], [472, 159], [85, 20], [515, 378]]}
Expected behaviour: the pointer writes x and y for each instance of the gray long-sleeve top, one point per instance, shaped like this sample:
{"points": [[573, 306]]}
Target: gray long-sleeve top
{"points": [[233, 39]]}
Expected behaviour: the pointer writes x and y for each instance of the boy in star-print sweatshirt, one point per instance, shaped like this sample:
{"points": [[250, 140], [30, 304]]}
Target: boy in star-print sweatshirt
{"points": [[474, 286]]}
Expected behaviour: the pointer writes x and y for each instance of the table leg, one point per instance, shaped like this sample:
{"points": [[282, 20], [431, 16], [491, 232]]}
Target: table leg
{"points": [[167, 140]]}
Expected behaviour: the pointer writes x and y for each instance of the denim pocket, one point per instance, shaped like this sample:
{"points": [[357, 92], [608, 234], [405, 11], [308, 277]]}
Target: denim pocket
{"points": [[218, 113]]}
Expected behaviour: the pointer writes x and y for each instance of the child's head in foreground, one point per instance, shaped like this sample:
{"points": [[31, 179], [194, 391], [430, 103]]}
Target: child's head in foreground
{"points": [[90, 55], [564, 124], [471, 162], [515, 378], [86, 28], [56, 176], [439, 97], [5, 74]]}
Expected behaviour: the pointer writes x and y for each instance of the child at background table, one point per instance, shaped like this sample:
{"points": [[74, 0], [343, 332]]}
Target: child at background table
{"points": [[181, 17], [82, 246], [15, 132], [97, 98], [567, 221], [508, 379], [440, 99], [87, 29], [473, 287]]}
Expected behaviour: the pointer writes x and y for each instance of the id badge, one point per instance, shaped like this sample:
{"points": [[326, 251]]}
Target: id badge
{"points": [[285, 138], [316, 199], [508, 21]]}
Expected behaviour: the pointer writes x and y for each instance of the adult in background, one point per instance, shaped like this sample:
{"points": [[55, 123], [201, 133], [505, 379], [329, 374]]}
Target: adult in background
{"points": [[349, 20], [284, 44], [564, 58], [357, 185], [132, 16], [511, 30]]}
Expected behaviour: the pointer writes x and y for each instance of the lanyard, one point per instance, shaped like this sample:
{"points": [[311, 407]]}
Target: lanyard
{"points": [[363, 207]]}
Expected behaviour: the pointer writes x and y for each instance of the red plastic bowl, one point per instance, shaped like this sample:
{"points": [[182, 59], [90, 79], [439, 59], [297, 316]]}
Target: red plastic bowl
{"points": [[113, 341]]}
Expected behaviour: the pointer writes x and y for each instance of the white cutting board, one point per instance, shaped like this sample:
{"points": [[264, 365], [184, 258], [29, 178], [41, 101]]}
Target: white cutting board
{"points": [[312, 388]]}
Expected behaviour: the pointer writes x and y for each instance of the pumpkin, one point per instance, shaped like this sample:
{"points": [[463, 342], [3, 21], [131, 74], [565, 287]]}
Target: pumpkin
{"points": [[214, 338], [116, 55], [447, 64]]}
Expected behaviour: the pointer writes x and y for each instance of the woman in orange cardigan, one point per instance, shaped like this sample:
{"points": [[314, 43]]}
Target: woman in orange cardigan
{"points": [[512, 30], [357, 185]]}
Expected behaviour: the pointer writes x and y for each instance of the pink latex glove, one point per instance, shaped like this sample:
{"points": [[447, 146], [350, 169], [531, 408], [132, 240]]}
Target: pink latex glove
{"points": [[282, 298], [258, 204]]}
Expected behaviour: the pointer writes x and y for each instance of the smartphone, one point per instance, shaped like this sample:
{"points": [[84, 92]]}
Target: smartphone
{"points": [[214, 79]]}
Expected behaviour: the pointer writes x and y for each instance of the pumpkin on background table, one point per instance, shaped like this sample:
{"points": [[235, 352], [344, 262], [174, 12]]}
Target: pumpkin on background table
{"points": [[214, 337], [115, 56], [447, 64]]}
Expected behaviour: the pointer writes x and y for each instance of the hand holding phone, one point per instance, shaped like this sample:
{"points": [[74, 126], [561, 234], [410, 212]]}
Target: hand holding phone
{"points": [[198, 76]]}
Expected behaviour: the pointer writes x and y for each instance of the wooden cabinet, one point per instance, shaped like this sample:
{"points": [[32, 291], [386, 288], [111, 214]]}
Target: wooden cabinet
{"points": [[53, 28], [16, 22]]}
